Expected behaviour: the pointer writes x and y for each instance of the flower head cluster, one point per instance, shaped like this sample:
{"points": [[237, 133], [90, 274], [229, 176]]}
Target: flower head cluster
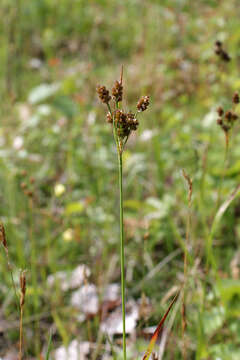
{"points": [[124, 122], [117, 91], [227, 118], [219, 51], [143, 103], [103, 94]]}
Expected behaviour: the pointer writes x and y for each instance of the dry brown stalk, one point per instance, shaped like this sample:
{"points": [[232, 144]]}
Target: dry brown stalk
{"points": [[22, 302]]}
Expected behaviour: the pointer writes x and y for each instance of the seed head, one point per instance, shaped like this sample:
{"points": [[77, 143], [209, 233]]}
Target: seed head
{"points": [[3, 238], [29, 193], [120, 117], [32, 180], [218, 43], [23, 185], [22, 287], [109, 118], [226, 127], [132, 121], [220, 111], [225, 56], [219, 51], [236, 98], [103, 94], [123, 122], [117, 91], [143, 103], [228, 115]]}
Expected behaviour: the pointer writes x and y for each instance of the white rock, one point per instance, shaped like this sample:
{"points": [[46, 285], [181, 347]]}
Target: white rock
{"points": [[72, 280], [112, 292], [75, 351], [114, 325], [86, 299]]}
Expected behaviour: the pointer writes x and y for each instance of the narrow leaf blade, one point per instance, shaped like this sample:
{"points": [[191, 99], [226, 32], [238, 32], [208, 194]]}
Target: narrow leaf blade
{"points": [[49, 346], [158, 329]]}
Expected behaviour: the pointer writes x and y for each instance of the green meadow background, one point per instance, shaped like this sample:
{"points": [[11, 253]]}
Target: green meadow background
{"points": [[58, 169]]}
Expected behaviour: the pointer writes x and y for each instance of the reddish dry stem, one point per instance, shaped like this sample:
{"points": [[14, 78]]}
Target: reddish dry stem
{"points": [[190, 185]]}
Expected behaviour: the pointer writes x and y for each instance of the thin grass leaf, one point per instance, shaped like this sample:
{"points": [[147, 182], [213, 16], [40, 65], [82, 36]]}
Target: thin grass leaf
{"points": [[49, 346], [218, 218], [224, 207], [158, 329], [112, 348]]}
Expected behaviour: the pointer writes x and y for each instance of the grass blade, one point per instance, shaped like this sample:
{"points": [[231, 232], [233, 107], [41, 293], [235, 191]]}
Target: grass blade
{"points": [[49, 346], [158, 329], [217, 220], [112, 348]]}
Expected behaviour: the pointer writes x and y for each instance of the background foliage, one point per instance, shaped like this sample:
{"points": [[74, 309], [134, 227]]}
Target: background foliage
{"points": [[53, 131]]}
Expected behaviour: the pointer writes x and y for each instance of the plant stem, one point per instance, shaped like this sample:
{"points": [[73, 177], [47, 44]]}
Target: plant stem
{"points": [[122, 252], [20, 333]]}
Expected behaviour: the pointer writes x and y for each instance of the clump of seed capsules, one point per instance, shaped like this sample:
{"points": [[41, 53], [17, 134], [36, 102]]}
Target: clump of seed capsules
{"points": [[123, 122], [221, 53], [227, 119]]}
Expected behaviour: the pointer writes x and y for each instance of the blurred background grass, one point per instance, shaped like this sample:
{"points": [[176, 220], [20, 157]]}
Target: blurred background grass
{"points": [[58, 163]]}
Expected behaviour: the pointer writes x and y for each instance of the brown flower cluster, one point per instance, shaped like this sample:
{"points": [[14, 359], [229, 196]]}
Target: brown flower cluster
{"points": [[22, 287], [117, 91], [3, 239], [143, 103], [103, 94], [27, 186], [227, 119], [124, 122], [236, 98], [219, 51]]}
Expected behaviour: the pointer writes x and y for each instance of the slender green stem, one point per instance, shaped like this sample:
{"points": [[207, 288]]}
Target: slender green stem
{"points": [[122, 252]]}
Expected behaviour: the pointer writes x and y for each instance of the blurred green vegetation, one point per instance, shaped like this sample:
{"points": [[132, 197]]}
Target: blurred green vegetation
{"points": [[58, 175]]}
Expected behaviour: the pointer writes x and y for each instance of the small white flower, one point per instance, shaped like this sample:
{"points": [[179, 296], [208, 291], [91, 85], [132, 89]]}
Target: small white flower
{"points": [[147, 135], [59, 189], [68, 235], [18, 143]]}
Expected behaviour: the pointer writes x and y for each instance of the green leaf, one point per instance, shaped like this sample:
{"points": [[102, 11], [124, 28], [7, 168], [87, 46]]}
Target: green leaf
{"points": [[133, 204], [213, 320], [225, 352], [229, 291], [49, 346], [66, 105], [42, 92], [74, 208]]}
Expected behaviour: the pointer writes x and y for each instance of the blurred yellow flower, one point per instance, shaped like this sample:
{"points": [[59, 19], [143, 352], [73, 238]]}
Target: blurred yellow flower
{"points": [[59, 189], [68, 235]]}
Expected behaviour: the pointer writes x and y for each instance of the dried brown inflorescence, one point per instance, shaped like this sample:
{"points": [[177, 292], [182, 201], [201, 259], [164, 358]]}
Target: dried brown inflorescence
{"points": [[27, 185], [3, 238], [143, 103], [123, 122], [236, 98], [22, 287], [103, 94], [227, 118], [117, 91], [219, 51]]}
